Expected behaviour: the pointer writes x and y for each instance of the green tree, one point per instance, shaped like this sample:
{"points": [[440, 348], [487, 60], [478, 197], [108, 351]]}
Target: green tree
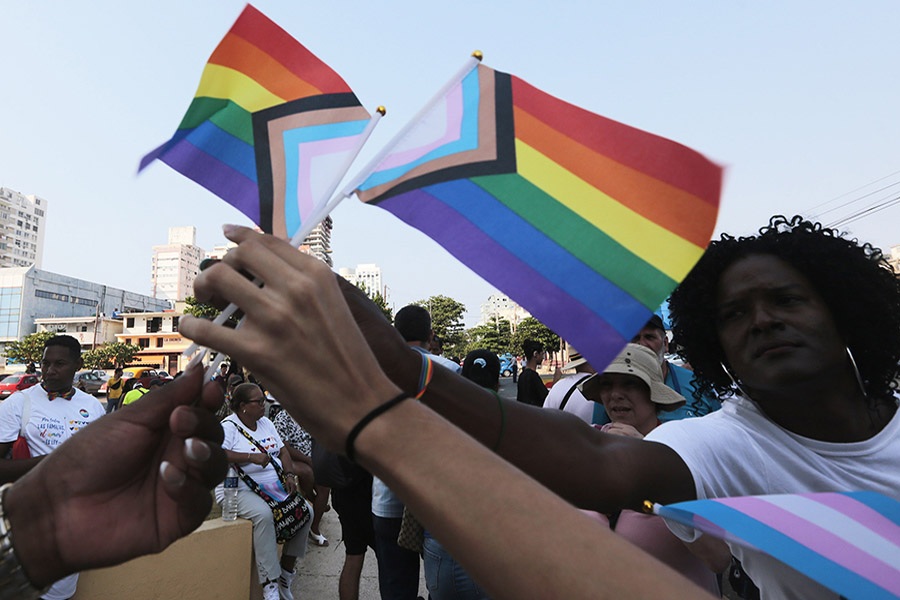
{"points": [[532, 329], [379, 300], [111, 355], [30, 349], [495, 335], [447, 322], [199, 309]]}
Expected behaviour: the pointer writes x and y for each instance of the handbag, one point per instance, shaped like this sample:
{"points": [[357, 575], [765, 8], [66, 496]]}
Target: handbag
{"points": [[291, 514], [412, 534]]}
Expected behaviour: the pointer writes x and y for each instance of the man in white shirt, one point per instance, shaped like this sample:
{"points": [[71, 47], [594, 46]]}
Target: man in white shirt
{"points": [[47, 415]]}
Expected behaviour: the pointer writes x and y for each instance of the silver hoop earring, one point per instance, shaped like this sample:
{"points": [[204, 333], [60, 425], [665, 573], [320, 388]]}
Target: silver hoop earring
{"points": [[734, 382], [859, 380]]}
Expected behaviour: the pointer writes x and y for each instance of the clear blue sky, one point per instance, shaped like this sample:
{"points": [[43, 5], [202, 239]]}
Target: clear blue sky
{"points": [[798, 99]]}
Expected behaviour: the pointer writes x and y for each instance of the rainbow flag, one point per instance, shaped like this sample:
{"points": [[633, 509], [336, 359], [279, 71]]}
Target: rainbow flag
{"points": [[847, 541], [265, 112], [587, 223]]}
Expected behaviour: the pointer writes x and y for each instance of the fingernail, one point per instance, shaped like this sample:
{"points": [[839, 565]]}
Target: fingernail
{"points": [[196, 450], [170, 474], [229, 228]]}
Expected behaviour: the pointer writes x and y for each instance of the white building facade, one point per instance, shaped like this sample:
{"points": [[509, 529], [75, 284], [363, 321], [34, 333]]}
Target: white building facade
{"points": [[22, 224], [367, 276], [28, 294], [176, 265], [90, 331], [500, 306], [894, 258]]}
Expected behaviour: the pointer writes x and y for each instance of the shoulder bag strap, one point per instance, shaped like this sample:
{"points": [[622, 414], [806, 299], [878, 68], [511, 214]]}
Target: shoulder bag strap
{"points": [[571, 391], [251, 483], [252, 440]]}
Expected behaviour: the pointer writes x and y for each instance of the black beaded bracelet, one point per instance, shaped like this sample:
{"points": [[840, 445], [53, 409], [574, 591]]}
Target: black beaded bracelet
{"points": [[349, 449]]}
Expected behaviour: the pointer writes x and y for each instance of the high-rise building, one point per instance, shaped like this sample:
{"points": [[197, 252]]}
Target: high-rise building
{"points": [[502, 307], [367, 276], [219, 252], [176, 265], [21, 229], [318, 242]]}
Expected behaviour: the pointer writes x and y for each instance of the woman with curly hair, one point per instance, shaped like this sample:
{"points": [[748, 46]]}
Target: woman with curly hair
{"points": [[857, 285]]}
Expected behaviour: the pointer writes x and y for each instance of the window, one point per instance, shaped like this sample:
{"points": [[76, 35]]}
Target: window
{"points": [[159, 342], [129, 322], [51, 295], [174, 323], [144, 342], [154, 325]]}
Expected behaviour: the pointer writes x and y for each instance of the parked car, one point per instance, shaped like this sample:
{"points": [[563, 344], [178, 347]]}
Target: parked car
{"points": [[145, 375], [506, 363], [16, 383], [88, 381], [138, 372]]}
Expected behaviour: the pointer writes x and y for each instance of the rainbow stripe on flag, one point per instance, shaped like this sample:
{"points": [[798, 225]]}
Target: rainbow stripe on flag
{"points": [[266, 109], [587, 223], [847, 541]]}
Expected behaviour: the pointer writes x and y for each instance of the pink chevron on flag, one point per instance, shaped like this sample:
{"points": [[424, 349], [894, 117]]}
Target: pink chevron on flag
{"points": [[846, 541]]}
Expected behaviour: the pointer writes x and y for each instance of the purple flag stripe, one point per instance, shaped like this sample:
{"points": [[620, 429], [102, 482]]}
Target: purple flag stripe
{"points": [[217, 177], [822, 541], [556, 309], [858, 511]]}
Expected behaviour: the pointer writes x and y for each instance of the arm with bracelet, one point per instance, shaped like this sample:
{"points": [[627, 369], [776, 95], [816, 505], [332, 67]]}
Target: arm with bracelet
{"points": [[370, 417]]}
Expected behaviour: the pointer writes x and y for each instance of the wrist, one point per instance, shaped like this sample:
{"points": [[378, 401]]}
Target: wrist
{"points": [[27, 510], [368, 419], [405, 370]]}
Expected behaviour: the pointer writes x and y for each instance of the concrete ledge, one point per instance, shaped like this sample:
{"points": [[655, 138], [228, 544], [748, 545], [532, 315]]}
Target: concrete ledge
{"points": [[214, 562]]}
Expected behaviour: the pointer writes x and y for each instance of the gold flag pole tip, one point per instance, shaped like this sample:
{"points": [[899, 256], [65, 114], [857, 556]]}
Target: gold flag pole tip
{"points": [[477, 54], [381, 110], [648, 507]]}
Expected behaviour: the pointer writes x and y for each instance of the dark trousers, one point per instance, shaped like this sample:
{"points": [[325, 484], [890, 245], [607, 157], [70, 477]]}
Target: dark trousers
{"points": [[398, 568]]}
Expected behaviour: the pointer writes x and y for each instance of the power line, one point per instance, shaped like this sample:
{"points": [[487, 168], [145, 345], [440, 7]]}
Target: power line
{"points": [[862, 187], [886, 197]]}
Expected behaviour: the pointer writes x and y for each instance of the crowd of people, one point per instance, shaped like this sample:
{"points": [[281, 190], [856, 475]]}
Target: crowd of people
{"points": [[793, 341]]}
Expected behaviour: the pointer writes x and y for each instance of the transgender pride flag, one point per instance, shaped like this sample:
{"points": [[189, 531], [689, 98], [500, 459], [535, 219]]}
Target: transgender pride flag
{"points": [[847, 541]]}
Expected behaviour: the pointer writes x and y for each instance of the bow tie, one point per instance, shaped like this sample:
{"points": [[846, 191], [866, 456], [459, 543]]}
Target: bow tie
{"points": [[67, 395]]}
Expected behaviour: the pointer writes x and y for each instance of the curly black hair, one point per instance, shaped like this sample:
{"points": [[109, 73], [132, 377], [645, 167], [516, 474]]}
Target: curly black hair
{"points": [[855, 280]]}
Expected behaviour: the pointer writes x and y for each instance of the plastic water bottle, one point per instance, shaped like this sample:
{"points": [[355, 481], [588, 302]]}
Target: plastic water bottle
{"points": [[229, 503]]}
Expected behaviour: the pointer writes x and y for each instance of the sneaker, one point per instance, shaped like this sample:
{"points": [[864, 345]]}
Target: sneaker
{"points": [[270, 591], [284, 585]]}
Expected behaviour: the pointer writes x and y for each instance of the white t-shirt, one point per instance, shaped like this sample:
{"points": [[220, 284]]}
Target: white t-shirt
{"points": [[738, 451], [50, 423], [268, 438], [577, 404]]}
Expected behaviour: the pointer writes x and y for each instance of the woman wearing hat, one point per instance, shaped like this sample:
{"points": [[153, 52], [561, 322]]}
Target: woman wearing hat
{"points": [[633, 393]]}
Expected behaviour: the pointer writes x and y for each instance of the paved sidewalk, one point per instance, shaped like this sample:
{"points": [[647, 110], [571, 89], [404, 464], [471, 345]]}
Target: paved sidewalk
{"points": [[318, 575]]}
